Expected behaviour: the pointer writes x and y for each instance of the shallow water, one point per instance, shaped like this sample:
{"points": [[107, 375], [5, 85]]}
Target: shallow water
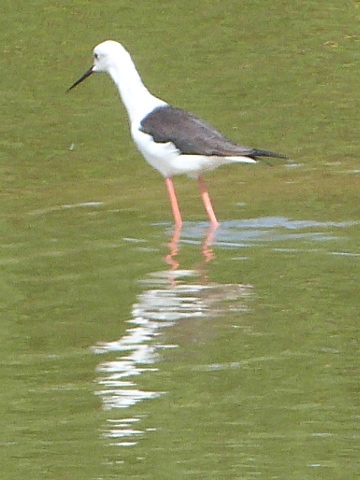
{"points": [[235, 385], [211, 354], [130, 350]]}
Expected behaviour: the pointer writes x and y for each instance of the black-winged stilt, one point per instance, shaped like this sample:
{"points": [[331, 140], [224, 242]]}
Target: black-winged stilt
{"points": [[171, 140]]}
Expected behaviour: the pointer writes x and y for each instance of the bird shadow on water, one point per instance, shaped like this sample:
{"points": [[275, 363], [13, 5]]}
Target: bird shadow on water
{"points": [[173, 294]]}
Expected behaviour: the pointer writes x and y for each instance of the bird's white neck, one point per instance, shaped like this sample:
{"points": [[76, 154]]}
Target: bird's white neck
{"points": [[136, 97]]}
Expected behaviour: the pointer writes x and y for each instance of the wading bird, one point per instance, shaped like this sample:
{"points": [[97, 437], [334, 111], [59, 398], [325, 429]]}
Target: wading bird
{"points": [[170, 139]]}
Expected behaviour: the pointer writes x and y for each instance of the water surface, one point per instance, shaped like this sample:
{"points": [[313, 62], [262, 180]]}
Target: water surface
{"points": [[129, 350]]}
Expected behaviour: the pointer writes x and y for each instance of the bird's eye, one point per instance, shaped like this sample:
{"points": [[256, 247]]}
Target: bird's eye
{"points": [[96, 56]]}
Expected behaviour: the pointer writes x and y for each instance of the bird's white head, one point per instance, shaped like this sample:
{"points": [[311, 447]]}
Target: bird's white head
{"points": [[112, 58], [107, 55]]}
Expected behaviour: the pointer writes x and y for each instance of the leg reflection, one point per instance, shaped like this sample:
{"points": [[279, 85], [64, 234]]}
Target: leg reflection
{"points": [[174, 248]]}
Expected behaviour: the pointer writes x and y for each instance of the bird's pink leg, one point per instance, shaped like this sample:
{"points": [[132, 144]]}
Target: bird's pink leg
{"points": [[207, 202], [173, 200]]}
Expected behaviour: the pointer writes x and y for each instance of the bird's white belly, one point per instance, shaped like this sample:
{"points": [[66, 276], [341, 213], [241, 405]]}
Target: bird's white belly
{"points": [[169, 161]]}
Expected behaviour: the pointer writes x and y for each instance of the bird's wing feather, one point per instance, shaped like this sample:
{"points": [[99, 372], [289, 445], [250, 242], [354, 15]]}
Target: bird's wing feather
{"points": [[190, 134]]}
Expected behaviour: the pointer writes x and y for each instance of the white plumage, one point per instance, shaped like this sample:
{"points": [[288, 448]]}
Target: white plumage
{"points": [[170, 139]]}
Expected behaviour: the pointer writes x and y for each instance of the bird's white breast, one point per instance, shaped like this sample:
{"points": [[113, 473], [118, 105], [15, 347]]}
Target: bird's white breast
{"points": [[158, 155], [169, 161]]}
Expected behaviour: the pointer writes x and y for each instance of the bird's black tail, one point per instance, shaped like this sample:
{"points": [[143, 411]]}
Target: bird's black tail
{"points": [[267, 153]]}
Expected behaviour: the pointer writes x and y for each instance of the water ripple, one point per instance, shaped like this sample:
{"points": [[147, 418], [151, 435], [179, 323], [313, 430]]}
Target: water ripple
{"points": [[161, 305]]}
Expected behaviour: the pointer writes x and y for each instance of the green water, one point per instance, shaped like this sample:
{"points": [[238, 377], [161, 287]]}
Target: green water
{"points": [[126, 354]]}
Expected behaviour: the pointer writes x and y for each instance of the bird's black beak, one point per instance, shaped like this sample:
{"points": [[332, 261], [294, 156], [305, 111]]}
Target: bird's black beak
{"points": [[81, 79]]}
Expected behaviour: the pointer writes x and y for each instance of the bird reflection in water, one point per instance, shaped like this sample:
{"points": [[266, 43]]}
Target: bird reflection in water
{"points": [[170, 297], [206, 249]]}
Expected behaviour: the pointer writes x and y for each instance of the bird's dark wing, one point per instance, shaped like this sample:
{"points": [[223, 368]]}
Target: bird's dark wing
{"points": [[190, 134]]}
